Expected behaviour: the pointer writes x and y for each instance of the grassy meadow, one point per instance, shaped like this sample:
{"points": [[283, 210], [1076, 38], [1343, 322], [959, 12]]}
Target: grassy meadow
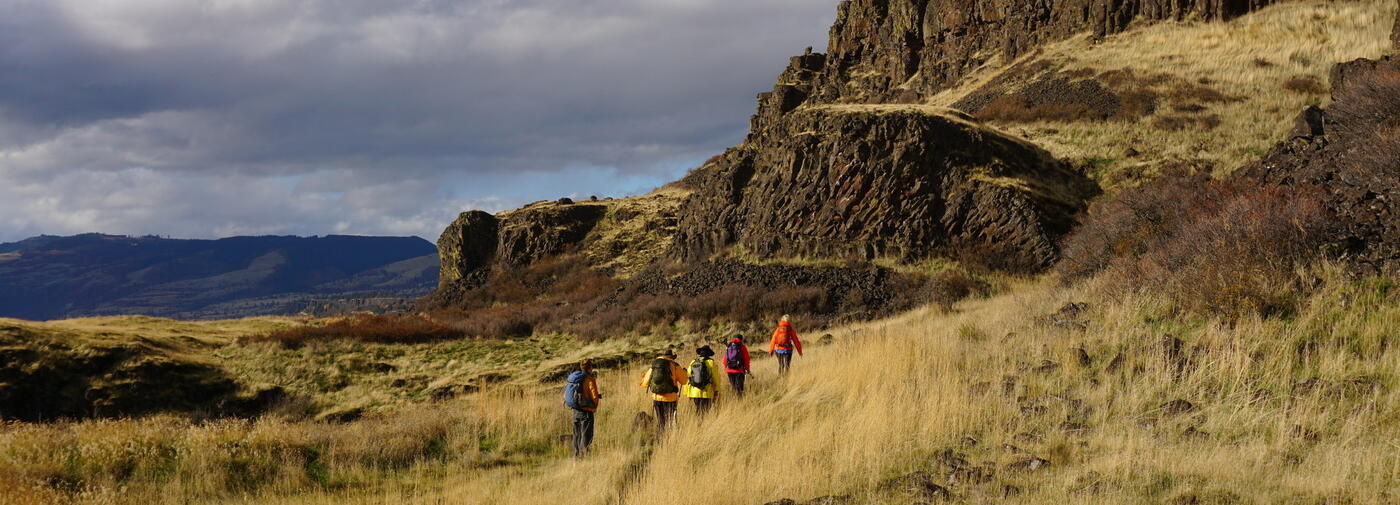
{"points": [[1296, 409]]}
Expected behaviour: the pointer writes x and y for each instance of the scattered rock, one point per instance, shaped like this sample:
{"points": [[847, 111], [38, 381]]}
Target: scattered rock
{"points": [[969, 442], [1069, 316], [1046, 367], [784, 501], [1029, 464], [1083, 357], [1010, 491], [1074, 428], [917, 485], [1116, 363], [829, 500], [565, 201]]}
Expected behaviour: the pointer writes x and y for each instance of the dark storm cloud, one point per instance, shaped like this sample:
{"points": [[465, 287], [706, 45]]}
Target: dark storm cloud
{"points": [[364, 116]]}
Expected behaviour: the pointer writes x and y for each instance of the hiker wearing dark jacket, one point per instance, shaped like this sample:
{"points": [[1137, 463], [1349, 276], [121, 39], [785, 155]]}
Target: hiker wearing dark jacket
{"points": [[703, 385], [736, 364], [664, 380], [784, 342], [582, 395]]}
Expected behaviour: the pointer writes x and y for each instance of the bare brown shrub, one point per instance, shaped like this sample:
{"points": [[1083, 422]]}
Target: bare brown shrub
{"points": [[1219, 246], [375, 328], [1305, 84], [1176, 122]]}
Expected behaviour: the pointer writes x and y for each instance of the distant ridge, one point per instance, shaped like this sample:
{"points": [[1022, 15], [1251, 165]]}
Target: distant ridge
{"points": [[52, 277]]}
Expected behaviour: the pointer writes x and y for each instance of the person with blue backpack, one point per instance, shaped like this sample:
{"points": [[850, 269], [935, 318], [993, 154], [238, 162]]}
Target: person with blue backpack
{"points": [[736, 364], [702, 386], [582, 396]]}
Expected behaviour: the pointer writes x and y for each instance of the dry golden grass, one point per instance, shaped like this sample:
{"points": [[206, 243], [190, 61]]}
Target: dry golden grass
{"points": [[1252, 58], [1303, 409]]}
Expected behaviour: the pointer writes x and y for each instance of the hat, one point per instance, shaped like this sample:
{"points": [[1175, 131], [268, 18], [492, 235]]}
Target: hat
{"points": [[705, 351], [670, 353]]}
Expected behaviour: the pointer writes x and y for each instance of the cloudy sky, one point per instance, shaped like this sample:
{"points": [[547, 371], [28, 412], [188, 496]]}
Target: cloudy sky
{"points": [[210, 118]]}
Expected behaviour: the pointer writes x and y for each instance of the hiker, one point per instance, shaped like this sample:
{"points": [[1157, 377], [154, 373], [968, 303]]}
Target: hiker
{"points": [[581, 394], [703, 385], [663, 380], [736, 364], [784, 342]]}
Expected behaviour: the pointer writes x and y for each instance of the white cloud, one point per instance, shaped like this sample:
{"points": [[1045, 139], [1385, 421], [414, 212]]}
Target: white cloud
{"points": [[190, 117]]}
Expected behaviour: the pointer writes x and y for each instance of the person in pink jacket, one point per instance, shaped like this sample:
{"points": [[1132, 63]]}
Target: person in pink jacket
{"points": [[736, 364]]}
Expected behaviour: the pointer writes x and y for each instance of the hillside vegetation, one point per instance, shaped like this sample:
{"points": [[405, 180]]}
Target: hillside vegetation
{"points": [[1120, 400], [1210, 96], [1201, 340]]}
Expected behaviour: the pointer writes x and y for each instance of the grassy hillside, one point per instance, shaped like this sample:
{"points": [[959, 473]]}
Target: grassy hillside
{"points": [[1206, 95], [1299, 409]]}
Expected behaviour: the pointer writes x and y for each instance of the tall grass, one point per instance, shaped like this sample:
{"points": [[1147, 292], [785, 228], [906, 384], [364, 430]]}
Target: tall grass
{"points": [[1301, 408]]}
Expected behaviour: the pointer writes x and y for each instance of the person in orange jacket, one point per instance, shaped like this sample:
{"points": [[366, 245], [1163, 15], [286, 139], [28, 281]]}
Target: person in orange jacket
{"points": [[581, 394], [784, 342], [664, 380]]}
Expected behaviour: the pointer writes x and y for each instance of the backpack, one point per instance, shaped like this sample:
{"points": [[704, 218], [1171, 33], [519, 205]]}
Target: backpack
{"points": [[734, 356], [700, 373], [661, 383], [784, 338], [574, 395]]}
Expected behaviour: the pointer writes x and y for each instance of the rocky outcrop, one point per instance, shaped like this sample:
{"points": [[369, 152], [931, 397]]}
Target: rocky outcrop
{"points": [[1351, 152], [901, 51], [543, 230], [868, 182], [476, 241], [467, 245]]}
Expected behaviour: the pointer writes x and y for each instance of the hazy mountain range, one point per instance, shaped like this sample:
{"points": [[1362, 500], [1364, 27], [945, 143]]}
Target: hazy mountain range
{"points": [[51, 277]]}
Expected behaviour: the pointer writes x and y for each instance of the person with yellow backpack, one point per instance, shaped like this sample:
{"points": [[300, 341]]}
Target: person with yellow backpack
{"points": [[663, 380], [703, 385]]}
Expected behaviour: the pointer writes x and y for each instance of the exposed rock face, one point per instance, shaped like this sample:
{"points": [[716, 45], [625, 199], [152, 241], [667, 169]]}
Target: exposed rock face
{"points": [[884, 51], [467, 245], [539, 231], [883, 181], [477, 240], [1352, 152]]}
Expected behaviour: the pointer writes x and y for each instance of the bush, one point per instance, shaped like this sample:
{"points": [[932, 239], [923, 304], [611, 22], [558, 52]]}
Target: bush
{"points": [[1305, 84], [1220, 246], [375, 328]]}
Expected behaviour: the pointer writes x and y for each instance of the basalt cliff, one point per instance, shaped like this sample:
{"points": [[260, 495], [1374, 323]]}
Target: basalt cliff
{"points": [[845, 161]]}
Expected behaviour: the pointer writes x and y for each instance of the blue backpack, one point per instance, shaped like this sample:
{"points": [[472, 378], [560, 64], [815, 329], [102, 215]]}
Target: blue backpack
{"points": [[574, 396]]}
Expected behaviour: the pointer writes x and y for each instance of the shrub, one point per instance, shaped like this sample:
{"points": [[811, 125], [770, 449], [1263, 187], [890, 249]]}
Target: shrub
{"points": [[383, 329], [1173, 122], [1221, 246], [1305, 84]]}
